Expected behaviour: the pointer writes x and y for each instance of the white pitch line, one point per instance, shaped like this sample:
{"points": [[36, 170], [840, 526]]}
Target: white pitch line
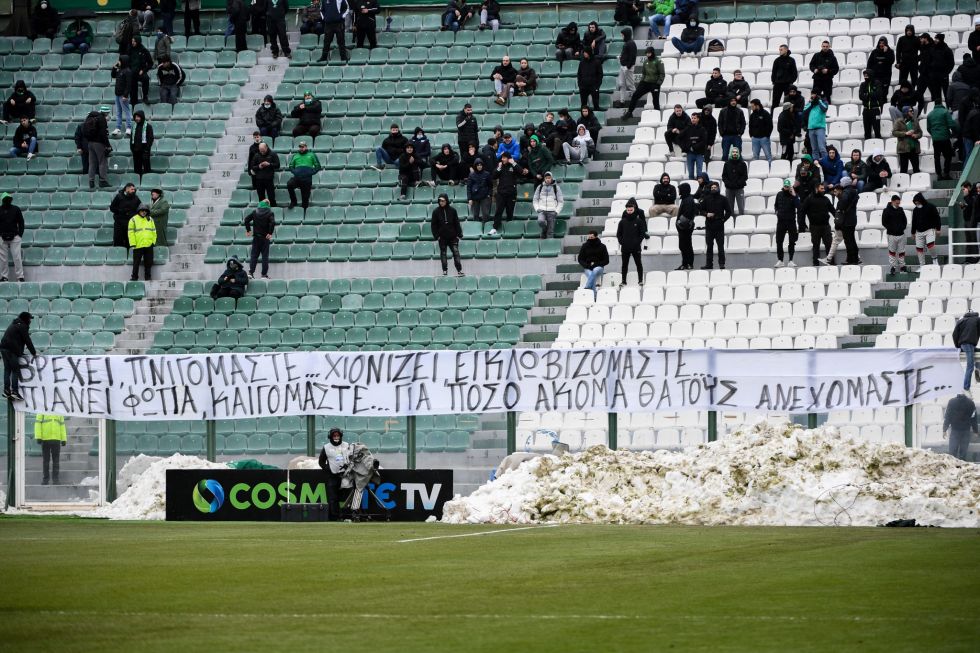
{"points": [[499, 530]]}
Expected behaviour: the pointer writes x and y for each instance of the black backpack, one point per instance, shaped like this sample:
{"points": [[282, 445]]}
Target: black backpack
{"points": [[91, 127]]}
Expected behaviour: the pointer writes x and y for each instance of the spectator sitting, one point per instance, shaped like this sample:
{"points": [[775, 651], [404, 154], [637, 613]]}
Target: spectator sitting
{"points": [[857, 170], [260, 225], [692, 38], [879, 172], [268, 118], [160, 212], [565, 130], [467, 160], [303, 165], [547, 203], [595, 41], [123, 207], [308, 111], [503, 77], [960, 421], [832, 167], [661, 13], [263, 166], [664, 198], [232, 282], [11, 236], [539, 160], [142, 237], [587, 118], [20, 104], [739, 89], [25, 140], [578, 150], [312, 20], [391, 148], [677, 124], [478, 189], [569, 43], [423, 148], [78, 37], [715, 90], [123, 87], [593, 257], [45, 20], [409, 170], [510, 146], [445, 165], [455, 15], [527, 79], [171, 77], [546, 131], [490, 14]]}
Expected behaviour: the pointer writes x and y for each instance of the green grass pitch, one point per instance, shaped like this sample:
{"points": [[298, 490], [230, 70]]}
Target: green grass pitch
{"points": [[80, 585]]}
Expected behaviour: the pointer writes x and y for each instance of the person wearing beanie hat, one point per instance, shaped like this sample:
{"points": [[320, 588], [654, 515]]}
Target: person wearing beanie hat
{"points": [[15, 339], [907, 57], [879, 171], [651, 79], [309, 112], [547, 202], [268, 118], [11, 234], [871, 96], [626, 84], [171, 77], [568, 45], [260, 224], [788, 128], [232, 282], [479, 185], [973, 41], [894, 220], [447, 232], [881, 61], [908, 133], [262, 166], [786, 206], [142, 238], [123, 206]]}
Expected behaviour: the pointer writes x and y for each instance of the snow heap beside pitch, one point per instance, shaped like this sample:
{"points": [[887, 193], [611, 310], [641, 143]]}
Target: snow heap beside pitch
{"points": [[766, 474], [146, 480]]}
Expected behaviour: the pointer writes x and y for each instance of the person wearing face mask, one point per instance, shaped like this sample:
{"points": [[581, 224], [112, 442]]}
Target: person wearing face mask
{"points": [[268, 118], [423, 147], [631, 235], [309, 112], [161, 46], [140, 62], [45, 20], [21, 104], [652, 78], [447, 232], [691, 39], [716, 211], [818, 210]]}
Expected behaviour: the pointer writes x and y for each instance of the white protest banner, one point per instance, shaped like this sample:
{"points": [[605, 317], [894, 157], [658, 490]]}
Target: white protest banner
{"points": [[624, 379]]}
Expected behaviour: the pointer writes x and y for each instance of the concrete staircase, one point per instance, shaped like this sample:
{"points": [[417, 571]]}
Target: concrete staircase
{"points": [[76, 464]]}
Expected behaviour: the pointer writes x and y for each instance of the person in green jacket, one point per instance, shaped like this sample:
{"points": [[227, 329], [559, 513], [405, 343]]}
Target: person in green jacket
{"points": [[650, 82], [303, 165], [539, 160], [50, 432], [142, 238], [661, 12], [942, 128]]}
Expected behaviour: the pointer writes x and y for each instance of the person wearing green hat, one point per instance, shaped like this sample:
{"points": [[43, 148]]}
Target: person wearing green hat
{"points": [[11, 233], [309, 112], [539, 159], [786, 205], [259, 226]]}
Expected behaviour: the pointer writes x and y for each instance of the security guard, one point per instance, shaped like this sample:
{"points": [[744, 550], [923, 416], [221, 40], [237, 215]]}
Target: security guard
{"points": [[335, 460], [50, 431]]}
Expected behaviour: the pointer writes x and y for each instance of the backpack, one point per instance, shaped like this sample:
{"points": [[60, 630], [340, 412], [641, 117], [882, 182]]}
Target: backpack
{"points": [[90, 128], [121, 29], [714, 45]]}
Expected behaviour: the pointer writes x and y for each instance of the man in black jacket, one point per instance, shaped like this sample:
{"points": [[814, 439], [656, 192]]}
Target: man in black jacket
{"points": [[664, 198], [506, 175], [966, 335], [684, 223], [123, 208], [140, 62], [715, 90], [568, 44], [907, 57], [677, 124], [95, 131], [894, 221], [847, 199], [260, 224], [447, 231], [503, 78], [731, 126], [365, 23], [695, 140], [391, 148], [275, 16], [926, 226], [716, 211], [871, 96], [171, 77], [15, 339], [626, 84], [589, 78], [786, 205], [11, 233], [232, 282], [710, 125], [409, 170], [593, 257], [784, 74], [735, 174], [944, 61], [960, 421], [818, 210], [467, 129], [760, 130], [824, 67], [262, 166], [334, 14]]}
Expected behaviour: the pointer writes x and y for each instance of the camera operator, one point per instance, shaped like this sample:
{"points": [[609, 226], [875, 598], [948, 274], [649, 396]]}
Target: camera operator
{"points": [[335, 460]]}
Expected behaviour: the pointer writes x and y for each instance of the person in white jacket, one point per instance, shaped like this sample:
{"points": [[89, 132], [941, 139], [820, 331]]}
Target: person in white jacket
{"points": [[547, 202], [578, 149]]}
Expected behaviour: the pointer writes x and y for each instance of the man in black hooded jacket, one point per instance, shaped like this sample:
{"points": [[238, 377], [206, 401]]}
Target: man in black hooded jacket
{"points": [[15, 339], [569, 43], [818, 209], [784, 74], [926, 226], [447, 231], [260, 224], [11, 233], [716, 210], [907, 57]]}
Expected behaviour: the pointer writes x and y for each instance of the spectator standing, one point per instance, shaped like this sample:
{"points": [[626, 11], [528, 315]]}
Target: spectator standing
{"points": [[872, 96], [685, 226], [880, 63], [568, 44], [447, 232], [879, 172], [973, 41], [334, 14], [959, 422], [123, 87], [824, 66], [651, 79], [50, 433], [631, 235], [22, 103], [478, 187], [807, 178], [140, 62], [506, 176], [445, 165], [817, 124], [15, 339], [304, 165], [787, 206], [664, 198], [716, 211], [268, 118], [171, 77], [760, 130], [232, 282], [589, 78], [309, 112], [238, 15], [731, 126], [161, 46], [696, 141], [942, 129], [467, 129], [259, 10], [735, 174], [142, 238], [141, 144], [81, 148], [626, 84], [578, 149], [95, 131], [409, 170], [160, 212], [547, 202], [168, 11], [907, 57], [884, 8], [192, 18], [965, 338], [691, 39], [275, 14], [490, 15], [391, 148], [629, 12], [263, 166], [78, 37], [902, 97], [661, 13], [365, 23], [593, 257], [45, 20], [908, 133], [126, 29], [784, 74], [25, 140], [931, 72], [926, 226], [11, 236], [857, 170], [677, 125], [503, 77], [260, 225], [818, 210], [894, 221], [846, 217], [123, 207]]}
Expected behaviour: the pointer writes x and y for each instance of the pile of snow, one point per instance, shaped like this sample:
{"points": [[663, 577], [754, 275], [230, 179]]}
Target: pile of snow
{"points": [[767, 474], [145, 480]]}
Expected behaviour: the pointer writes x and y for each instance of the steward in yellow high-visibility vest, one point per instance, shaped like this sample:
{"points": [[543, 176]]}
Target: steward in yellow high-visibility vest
{"points": [[142, 238], [50, 431]]}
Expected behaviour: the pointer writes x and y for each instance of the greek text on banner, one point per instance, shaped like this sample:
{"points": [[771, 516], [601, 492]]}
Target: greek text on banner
{"points": [[624, 379]]}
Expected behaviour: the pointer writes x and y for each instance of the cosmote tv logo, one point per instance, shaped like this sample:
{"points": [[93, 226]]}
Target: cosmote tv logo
{"points": [[208, 496]]}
